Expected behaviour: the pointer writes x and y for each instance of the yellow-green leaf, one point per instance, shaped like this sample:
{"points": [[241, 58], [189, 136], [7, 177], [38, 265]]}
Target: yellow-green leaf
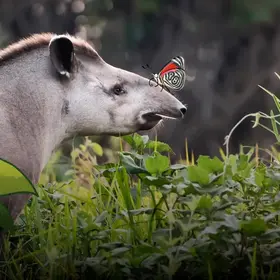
{"points": [[97, 149], [12, 180]]}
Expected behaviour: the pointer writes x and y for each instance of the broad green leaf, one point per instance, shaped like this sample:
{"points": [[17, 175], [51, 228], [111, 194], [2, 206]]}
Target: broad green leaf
{"points": [[231, 222], [155, 181], [254, 227], [157, 163], [12, 180], [205, 202], [211, 165], [259, 176], [159, 146], [130, 165], [198, 174], [6, 220], [128, 139], [187, 227], [217, 165], [193, 204], [212, 229], [138, 141]]}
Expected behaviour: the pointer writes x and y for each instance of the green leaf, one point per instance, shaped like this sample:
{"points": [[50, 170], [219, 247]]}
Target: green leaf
{"points": [[254, 227], [159, 146], [6, 220], [119, 251], [198, 174], [178, 166], [130, 165], [193, 204], [142, 211], [128, 139], [242, 162], [157, 163], [205, 202], [136, 141], [231, 222], [145, 139], [259, 176], [211, 165], [111, 246], [102, 217], [146, 249], [155, 181], [232, 163], [212, 229], [12, 180], [97, 149]]}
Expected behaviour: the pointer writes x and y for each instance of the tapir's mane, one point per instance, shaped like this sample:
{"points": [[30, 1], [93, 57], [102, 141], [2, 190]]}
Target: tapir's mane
{"points": [[36, 41]]}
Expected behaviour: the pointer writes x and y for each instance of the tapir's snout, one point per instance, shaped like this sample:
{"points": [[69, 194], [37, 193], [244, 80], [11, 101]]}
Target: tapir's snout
{"points": [[173, 109]]}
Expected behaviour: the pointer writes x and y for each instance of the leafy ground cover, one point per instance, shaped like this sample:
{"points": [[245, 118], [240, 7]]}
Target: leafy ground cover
{"points": [[147, 219], [142, 217]]}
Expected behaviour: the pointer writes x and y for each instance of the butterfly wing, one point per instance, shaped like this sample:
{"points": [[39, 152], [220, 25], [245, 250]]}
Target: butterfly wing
{"points": [[175, 63], [179, 60], [172, 75], [174, 79]]}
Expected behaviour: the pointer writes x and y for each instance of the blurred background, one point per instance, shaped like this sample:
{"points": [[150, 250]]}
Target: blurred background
{"points": [[232, 45]]}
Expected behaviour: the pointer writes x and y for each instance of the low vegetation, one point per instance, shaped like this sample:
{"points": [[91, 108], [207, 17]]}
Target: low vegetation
{"points": [[142, 217]]}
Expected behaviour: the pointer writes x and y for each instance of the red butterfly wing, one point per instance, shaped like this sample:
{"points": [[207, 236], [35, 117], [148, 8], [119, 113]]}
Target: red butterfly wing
{"points": [[168, 67]]}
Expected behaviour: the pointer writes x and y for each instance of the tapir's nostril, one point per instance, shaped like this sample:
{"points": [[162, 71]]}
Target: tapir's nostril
{"points": [[183, 110]]}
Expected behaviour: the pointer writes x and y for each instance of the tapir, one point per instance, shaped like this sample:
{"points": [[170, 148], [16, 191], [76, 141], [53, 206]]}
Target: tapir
{"points": [[54, 87]]}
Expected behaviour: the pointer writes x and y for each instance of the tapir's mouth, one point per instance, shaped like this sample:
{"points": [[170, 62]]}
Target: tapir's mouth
{"points": [[156, 117], [153, 118]]}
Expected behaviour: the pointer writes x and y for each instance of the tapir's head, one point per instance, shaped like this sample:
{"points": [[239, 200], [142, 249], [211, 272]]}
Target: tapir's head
{"points": [[102, 99]]}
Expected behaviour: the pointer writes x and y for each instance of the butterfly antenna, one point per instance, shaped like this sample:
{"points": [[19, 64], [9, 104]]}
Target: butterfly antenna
{"points": [[147, 66]]}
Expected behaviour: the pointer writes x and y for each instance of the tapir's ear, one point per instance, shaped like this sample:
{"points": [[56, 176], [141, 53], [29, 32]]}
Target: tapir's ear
{"points": [[62, 54]]}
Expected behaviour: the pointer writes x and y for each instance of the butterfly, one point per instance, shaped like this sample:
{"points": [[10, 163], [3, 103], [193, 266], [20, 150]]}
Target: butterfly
{"points": [[172, 76]]}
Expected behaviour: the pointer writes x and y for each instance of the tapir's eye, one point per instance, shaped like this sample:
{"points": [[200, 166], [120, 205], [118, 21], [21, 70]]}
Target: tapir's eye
{"points": [[118, 89]]}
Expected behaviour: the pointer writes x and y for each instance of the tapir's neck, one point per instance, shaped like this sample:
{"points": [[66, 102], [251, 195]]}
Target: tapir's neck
{"points": [[31, 123], [30, 117], [34, 132]]}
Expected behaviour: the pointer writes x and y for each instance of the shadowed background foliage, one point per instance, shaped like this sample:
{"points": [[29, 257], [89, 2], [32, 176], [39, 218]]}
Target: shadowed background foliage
{"points": [[232, 45]]}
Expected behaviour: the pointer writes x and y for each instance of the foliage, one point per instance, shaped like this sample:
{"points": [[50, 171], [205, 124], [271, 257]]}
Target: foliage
{"points": [[12, 181], [145, 218]]}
